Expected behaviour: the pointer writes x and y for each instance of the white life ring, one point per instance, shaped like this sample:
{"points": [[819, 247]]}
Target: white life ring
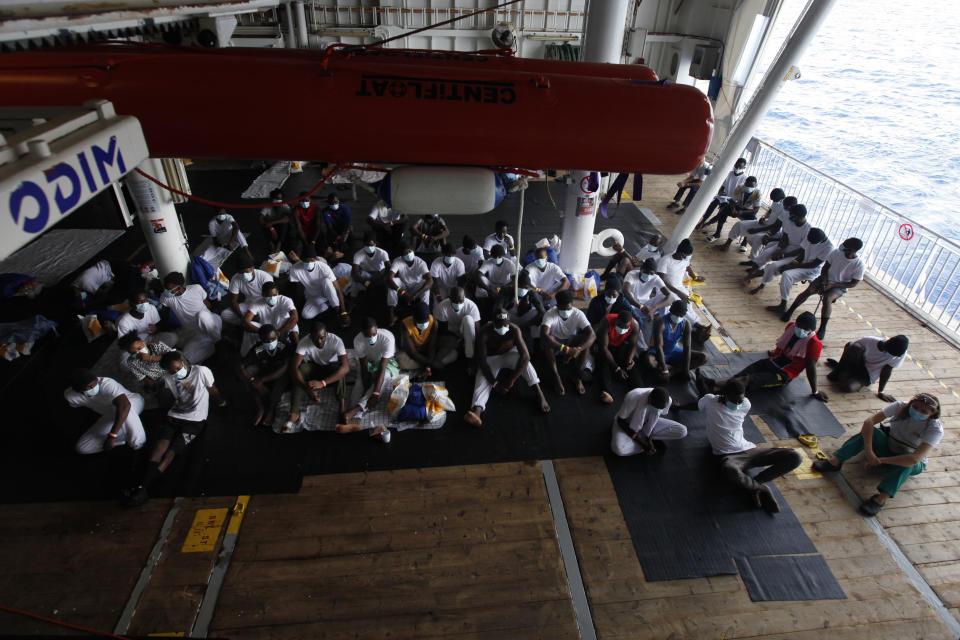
{"points": [[598, 244]]}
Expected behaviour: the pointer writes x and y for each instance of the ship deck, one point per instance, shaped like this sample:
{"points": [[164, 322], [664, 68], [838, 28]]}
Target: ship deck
{"points": [[473, 551]]}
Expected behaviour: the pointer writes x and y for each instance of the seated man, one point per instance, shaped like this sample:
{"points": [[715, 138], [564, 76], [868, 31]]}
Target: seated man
{"points": [[91, 287], [248, 282], [618, 337], [743, 205], [421, 345], [542, 243], [797, 349], [430, 232], [746, 227], [337, 226], [408, 282], [725, 414], [142, 359], [792, 234], [275, 310], [609, 301], [803, 263], [309, 223], [276, 221], [523, 305], [769, 231], [321, 293], [620, 263], [691, 184], [375, 349], [640, 421], [448, 272], [671, 354], [500, 346], [733, 180], [471, 255], [119, 411], [191, 386], [320, 361], [645, 290], [843, 270], [266, 373], [460, 316], [225, 232], [199, 326], [546, 278], [672, 269], [371, 265], [866, 361], [566, 333], [495, 273], [499, 237], [389, 225], [144, 320]]}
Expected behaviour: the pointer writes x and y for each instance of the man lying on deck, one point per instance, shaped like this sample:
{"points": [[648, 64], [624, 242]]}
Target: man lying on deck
{"points": [[866, 361]]}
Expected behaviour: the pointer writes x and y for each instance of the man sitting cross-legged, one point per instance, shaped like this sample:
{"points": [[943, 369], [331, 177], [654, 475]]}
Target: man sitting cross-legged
{"points": [[320, 361], [500, 346], [725, 413], [566, 333], [375, 349], [671, 352], [640, 421], [422, 348], [265, 370], [617, 341]]}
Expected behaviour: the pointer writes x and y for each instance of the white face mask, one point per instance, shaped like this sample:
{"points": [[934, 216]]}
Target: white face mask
{"points": [[92, 392], [609, 300], [475, 251], [749, 189], [801, 333], [652, 248], [305, 204], [272, 345], [277, 200], [221, 217], [335, 206], [422, 326], [675, 319], [738, 172], [372, 340], [456, 306], [181, 373], [565, 313], [144, 350], [645, 277], [447, 260], [541, 263], [502, 330], [248, 276], [733, 406], [309, 265], [272, 300], [498, 261], [408, 257], [370, 250], [655, 411], [143, 307], [522, 292], [622, 330]]}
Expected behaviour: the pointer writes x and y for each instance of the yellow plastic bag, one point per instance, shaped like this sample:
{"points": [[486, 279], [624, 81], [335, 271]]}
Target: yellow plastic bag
{"points": [[438, 400]]}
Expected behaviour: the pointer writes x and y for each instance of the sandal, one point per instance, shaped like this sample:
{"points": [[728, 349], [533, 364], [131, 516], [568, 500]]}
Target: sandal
{"points": [[871, 507]]}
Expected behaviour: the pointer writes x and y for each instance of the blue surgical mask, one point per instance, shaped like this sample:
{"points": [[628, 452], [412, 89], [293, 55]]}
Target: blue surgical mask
{"points": [[645, 277], [801, 333], [335, 206], [310, 265], [448, 260], [733, 406], [749, 189], [372, 340], [521, 292], [221, 217], [675, 319], [916, 415], [408, 257], [305, 204], [456, 306], [655, 411], [422, 326], [167, 293], [143, 307], [502, 330], [92, 392], [498, 261], [622, 330], [541, 263], [272, 345], [272, 300], [370, 250], [738, 172], [181, 373], [248, 276], [475, 251], [144, 350], [652, 248], [565, 313], [609, 300]]}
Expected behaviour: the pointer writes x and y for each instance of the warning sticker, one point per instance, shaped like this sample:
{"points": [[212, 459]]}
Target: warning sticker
{"points": [[205, 530]]}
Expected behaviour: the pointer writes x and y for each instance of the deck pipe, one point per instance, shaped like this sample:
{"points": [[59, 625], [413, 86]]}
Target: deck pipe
{"points": [[159, 219]]}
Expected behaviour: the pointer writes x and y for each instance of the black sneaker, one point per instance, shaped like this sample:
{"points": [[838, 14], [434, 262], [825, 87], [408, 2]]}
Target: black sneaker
{"points": [[134, 498], [824, 465]]}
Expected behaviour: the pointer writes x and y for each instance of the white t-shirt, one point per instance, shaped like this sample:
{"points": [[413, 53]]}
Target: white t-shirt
{"points": [[312, 281], [732, 181], [546, 280], [795, 235], [673, 270], [253, 289], [444, 277], [385, 214], [409, 274], [385, 346], [643, 253], [102, 403], [445, 313], [141, 326], [189, 305], [332, 349], [843, 269], [371, 263], [640, 290], [725, 425], [191, 399], [906, 434], [471, 261], [498, 275], [276, 315], [222, 231], [492, 239], [818, 251], [874, 359], [635, 409], [563, 329], [94, 277]]}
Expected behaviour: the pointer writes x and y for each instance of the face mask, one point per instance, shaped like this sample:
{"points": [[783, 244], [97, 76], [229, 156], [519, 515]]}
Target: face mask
{"points": [[622, 330], [434, 215], [655, 411], [890, 356], [305, 204], [372, 341], [565, 313], [801, 333], [447, 260], [645, 277], [370, 250], [522, 292], [277, 200], [408, 257], [335, 206], [749, 189], [501, 330], [310, 265], [167, 293], [221, 217], [96, 389], [738, 172], [272, 300], [609, 300], [181, 374], [272, 345], [475, 251], [651, 248], [732, 406], [498, 261], [422, 326], [143, 307], [248, 276], [541, 263], [456, 306], [675, 319], [916, 415]]}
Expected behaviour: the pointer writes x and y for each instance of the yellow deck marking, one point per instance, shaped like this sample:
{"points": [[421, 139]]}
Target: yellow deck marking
{"points": [[804, 471], [720, 344], [236, 518], [205, 530]]}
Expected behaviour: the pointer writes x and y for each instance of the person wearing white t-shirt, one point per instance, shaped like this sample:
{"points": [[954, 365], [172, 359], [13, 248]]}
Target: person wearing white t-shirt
{"points": [[192, 386], [495, 273], [389, 224], [448, 271], [640, 421], [408, 282], [792, 234], [566, 333], [119, 410], [734, 179], [319, 362], [900, 448], [200, 327], [843, 270], [143, 319], [546, 278], [274, 309], [246, 283], [768, 233], [868, 360], [725, 413], [745, 228], [645, 289], [91, 287], [461, 316], [321, 292], [499, 237], [370, 266], [803, 263], [471, 255], [376, 351], [672, 269], [226, 232]]}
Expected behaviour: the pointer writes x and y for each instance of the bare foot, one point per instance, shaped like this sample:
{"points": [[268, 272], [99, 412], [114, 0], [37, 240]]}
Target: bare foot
{"points": [[560, 389], [544, 405], [606, 398], [472, 419], [580, 388], [259, 419]]}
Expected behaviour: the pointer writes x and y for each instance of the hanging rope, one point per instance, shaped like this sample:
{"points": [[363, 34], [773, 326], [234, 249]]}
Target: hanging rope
{"points": [[519, 246], [440, 24]]}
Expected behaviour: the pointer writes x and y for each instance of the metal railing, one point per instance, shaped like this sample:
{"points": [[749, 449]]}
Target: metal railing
{"points": [[912, 264], [328, 13]]}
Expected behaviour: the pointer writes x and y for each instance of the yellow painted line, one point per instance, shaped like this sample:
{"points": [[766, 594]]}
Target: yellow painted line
{"points": [[236, 518], [168, 634], [720, 344], [205, 530], [804, 471]]}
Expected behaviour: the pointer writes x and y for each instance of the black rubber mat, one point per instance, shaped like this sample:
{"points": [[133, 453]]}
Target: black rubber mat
{"points": [[686, 521], [778, 578]]}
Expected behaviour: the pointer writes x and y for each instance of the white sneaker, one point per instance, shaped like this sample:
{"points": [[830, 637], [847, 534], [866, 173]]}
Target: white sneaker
{"points": [[712, 239], [742, 248]]}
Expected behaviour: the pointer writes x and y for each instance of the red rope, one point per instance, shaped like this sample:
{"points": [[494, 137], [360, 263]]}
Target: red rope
{"points": [[62, 624]]}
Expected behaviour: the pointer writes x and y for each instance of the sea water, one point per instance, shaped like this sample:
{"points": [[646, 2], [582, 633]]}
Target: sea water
{"points": [[877, 106]]}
